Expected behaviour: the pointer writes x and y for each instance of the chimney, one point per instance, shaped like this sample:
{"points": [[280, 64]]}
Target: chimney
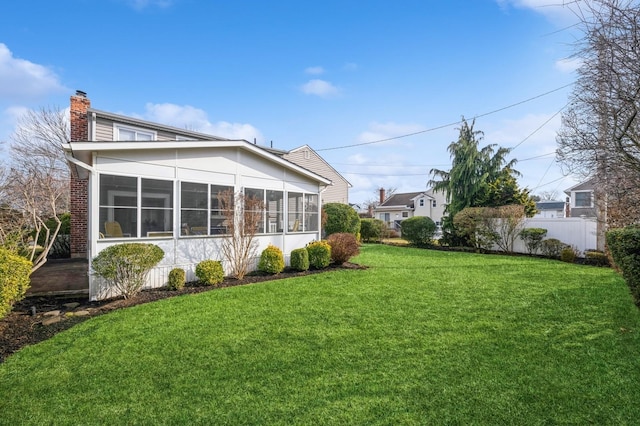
{"points": [[78, 187], [567, 207], [79, 121], [382, 195]]}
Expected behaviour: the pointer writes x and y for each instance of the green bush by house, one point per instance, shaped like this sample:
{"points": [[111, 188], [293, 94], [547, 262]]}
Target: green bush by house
{"points": [[177, 277], [210, 272], [14, 279], [300, 259], [340, 218], [371, 230], [125, 266], [271, 260], [319, 254]]}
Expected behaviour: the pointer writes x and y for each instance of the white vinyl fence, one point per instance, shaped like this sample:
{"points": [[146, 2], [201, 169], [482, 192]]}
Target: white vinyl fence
{"points": [[576, 231]]}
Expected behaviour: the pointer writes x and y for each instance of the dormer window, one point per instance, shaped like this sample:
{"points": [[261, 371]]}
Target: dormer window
{"points": [[126, 133]]}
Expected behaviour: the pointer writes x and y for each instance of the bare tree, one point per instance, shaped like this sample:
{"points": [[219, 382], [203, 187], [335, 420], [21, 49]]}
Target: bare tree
{"points": [[548, 196], [34, 185], [243, 218]]}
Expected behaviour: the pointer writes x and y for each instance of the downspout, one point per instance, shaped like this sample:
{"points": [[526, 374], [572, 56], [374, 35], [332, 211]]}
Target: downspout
{"points": [[320, 209]]}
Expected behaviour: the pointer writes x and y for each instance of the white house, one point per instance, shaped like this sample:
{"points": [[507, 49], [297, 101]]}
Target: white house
{"points": [[398, 207], [136, 181]]}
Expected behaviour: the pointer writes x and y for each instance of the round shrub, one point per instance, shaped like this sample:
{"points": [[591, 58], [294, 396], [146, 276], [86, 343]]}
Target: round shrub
{"points": [[271, 260], [418, 230], [319, 254], [300, 259], [124, 267], [532, 238], [14, 279], [177, 277], [596, 258], [371, 230], [343, 247], [210, 272], [552, 247], [568, 254], [340, 218]]}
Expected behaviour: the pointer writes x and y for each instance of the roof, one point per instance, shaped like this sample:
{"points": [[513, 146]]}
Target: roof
{"points": [[300, 148], [404, 200], [587, 185]]}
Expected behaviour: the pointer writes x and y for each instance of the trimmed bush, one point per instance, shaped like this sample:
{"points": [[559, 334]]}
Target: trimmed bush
{"points": [[177, 277], [14, 280], [271, 260], [624, 245], [532, 238], [569, 254], [343, 247], [210, 272], [596, 258], [125, 266], [418, 230], [300, 259], [552, 247], [340, 218], [319, 254], [371, 230]]}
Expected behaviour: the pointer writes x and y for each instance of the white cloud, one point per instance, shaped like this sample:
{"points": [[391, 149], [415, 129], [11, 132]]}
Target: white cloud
{"points": [[553, 9], [195, 119], [22, 80], [314, 70], [142, 4], [321, 88], [513, 132], [568, 65]]}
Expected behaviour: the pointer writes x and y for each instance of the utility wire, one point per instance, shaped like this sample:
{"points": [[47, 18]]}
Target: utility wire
{"points": [[446, 125]]}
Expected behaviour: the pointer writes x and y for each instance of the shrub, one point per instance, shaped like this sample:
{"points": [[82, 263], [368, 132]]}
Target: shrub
{"points": [[471, 229], [569, 254], [418, 230], [340, 218], [532, 238], [125, 266], [210, 272], [371, 230], [300, 259], [343, 247], [596, 258], [177, 277], [271, 260], [624, 244], [552, 247], [14, 279], [319, 254]]}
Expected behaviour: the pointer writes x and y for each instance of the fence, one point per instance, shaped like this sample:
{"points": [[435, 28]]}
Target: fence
{"points": [[576, 231]]}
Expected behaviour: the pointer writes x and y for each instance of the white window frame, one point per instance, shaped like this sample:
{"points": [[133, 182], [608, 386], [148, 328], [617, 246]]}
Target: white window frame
{"points": [[421, 202], [575, 199], [117, 127]]}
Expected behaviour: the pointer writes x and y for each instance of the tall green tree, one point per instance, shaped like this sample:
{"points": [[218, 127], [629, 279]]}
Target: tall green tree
{"points": [[479, 177]]}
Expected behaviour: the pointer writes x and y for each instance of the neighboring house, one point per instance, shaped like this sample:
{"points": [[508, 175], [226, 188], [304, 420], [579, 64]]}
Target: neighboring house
{"points": [[582, 199], [137, 181], [338, 191], [550, 209], [398, 207]]}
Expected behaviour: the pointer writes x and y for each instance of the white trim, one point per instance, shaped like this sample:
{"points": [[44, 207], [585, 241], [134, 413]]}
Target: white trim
{"points": [[137, 130]]}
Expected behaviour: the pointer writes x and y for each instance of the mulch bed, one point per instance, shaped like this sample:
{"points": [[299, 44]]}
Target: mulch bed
{"points": [[21, 328]]}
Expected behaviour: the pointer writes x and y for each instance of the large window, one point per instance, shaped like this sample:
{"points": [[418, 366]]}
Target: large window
{"points": [[583, 199], [303, 212], [254, 206], [126, 212], [201, 208], [275, 211]]}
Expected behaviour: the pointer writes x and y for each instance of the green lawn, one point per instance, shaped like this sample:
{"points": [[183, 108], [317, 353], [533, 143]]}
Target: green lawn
{"points": [[422, 337]]}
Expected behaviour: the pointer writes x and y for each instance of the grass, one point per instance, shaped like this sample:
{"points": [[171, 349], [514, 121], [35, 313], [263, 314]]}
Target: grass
{"points": [[422, 337]]}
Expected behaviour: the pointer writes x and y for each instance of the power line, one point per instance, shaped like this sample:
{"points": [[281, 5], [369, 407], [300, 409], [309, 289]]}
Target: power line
{"points": [[540, 127], [446, 125]]}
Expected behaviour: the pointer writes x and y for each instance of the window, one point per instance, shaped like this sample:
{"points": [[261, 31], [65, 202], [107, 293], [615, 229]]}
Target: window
{"points": [[303, 212], [405, 214], [254, 205], [123, 207], [311, 212], [201, 208], [421, 202], [433, 204], [583, 199], [123, 133], [275, 211]]}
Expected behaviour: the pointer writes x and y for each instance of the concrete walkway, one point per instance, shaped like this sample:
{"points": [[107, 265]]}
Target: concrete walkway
{"points": [[60, 276]]}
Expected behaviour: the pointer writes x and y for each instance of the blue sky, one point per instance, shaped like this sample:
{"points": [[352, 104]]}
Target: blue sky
{"points": [[328, 74]]}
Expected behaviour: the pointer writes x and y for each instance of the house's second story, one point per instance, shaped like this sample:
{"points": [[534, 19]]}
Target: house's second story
{"points": [[582, 199], [304, 156]]}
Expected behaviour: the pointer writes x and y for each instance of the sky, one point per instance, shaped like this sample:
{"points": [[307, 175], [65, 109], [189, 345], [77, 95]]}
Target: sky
{"points": [[376, 87]]}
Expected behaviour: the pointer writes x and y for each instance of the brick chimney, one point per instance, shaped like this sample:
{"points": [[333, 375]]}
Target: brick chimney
{"points": [[78, 188], [382, 195]]}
